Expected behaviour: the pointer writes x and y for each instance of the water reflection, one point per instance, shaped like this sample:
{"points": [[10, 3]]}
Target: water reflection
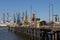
{"points": [[7, 35]]}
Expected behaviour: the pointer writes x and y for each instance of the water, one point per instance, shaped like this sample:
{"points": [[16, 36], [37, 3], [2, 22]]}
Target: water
{"points": [[7, 35]]}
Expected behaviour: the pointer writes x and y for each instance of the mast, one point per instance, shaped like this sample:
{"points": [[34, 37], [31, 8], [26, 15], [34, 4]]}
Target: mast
{"points": [[52, 13], [49, 12]]}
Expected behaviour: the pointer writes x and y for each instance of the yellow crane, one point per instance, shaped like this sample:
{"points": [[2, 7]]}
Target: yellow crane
{"points": [[26, 19]]}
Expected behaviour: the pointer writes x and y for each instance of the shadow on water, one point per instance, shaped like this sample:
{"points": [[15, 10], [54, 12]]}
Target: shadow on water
{"points": [[26, 37], [8, 35]]}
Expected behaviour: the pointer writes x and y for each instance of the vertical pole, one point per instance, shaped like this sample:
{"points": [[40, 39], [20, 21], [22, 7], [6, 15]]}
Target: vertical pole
{"points": [[52, 15], [31, 12], [49, 14]]}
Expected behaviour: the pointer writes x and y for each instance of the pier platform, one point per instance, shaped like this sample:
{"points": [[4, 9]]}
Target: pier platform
{"points": [[42, 33]]}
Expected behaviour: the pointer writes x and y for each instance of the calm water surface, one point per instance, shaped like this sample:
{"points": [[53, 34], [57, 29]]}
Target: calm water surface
{"points": [[7, 35]]}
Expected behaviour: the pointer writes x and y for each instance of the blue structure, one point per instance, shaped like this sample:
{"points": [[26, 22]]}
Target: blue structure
{"points": [[18, 16], [18, 19]]}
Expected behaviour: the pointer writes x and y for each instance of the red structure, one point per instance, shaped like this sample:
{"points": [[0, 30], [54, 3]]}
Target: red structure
{"points": [[33, 17]]}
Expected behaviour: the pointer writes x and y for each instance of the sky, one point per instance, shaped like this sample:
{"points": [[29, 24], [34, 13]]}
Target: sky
{"points": [[39, 7]]}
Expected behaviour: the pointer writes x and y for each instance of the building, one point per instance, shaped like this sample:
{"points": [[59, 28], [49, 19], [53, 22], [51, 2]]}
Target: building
{"points": [[37, 22]]}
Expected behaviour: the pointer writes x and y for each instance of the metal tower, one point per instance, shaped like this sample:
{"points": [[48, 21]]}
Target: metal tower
{"points": [[18, 19], [4, 18], [7, 17]]}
